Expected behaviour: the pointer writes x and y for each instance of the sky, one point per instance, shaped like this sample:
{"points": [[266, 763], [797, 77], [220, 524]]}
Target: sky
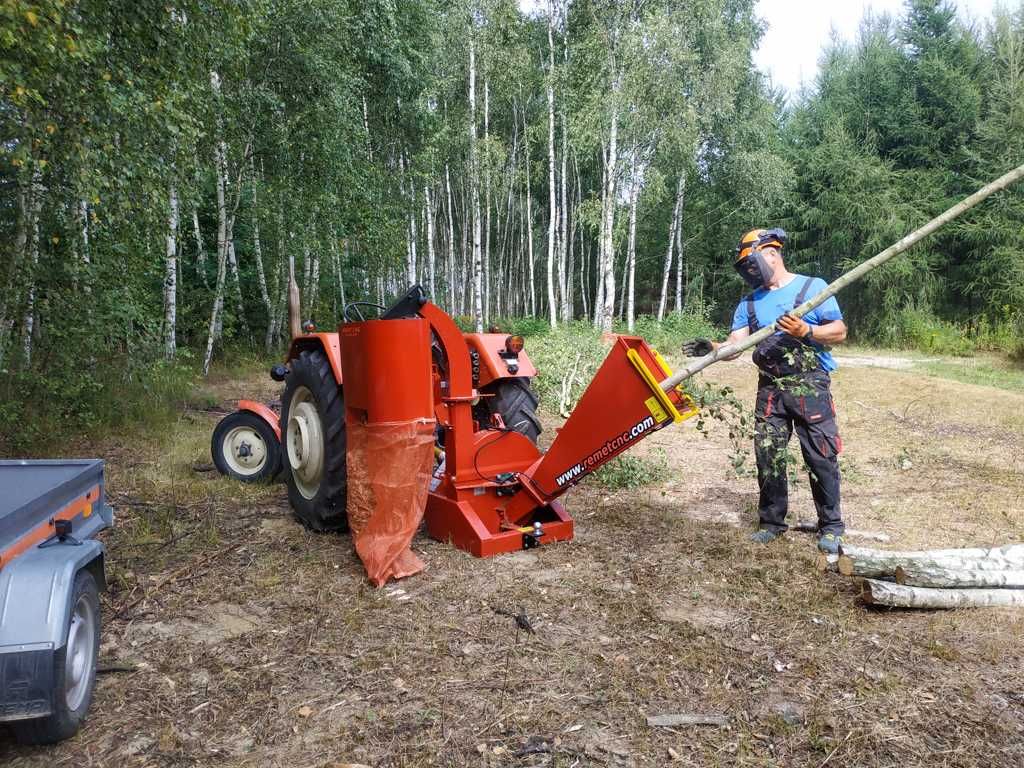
{"points": [[799, 30]]}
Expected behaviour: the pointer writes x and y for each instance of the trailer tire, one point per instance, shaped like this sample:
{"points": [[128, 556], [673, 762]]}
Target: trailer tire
{"points": [[238, 431], [313, 440], [82, 643], [516, 402]]}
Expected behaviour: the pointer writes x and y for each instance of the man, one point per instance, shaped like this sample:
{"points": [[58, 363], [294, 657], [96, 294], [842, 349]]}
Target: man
{"points": [[793, 386]]}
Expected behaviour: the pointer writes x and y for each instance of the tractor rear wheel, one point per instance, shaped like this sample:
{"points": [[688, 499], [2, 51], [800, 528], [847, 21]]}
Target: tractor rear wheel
{"points": [[515, 401], [313, 438]]}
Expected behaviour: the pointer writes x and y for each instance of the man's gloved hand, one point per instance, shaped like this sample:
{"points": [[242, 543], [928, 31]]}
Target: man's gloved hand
{"points": [[794, 326], [697, 347]]}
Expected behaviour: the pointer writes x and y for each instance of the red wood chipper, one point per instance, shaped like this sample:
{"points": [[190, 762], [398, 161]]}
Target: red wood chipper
{"points": [[493, 490]]}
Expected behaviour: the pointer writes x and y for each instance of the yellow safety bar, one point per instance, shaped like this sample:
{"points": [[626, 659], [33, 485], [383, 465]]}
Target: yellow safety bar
{"points": [[659, 394]]}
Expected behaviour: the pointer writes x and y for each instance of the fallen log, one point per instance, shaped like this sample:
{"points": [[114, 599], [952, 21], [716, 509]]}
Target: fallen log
{"points": [[870, 563], [941, 576], [874, 592]]}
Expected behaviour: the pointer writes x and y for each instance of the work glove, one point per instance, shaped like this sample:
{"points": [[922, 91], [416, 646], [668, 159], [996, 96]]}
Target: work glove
{"points": [[697, 347], [794, 326]]}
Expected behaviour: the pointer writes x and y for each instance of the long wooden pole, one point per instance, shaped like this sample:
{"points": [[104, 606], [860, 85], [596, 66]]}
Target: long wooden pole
{"points": [[852, 276]]}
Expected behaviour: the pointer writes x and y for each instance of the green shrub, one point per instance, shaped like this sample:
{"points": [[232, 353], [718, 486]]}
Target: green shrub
{"points": [[569, 351], [628, 471], [694, 322], [921, 330]]}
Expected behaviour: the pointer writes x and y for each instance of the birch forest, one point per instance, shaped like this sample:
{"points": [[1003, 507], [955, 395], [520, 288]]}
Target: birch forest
{"points": [[166, 167]]}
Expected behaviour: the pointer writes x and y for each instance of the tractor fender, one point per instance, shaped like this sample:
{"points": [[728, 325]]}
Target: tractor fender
{"points": [[492, 365], [35, 591], [327, 342], [265, 413]]}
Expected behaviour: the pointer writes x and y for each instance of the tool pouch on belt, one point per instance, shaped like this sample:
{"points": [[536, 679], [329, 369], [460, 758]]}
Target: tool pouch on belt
{"points": [[783, 355]]}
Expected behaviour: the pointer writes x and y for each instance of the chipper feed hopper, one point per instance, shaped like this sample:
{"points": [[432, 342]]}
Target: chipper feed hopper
{"points": [[493, 489]]}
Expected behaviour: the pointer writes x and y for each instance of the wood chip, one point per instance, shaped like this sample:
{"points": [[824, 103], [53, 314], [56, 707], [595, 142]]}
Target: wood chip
{"points": [[673, 720]]}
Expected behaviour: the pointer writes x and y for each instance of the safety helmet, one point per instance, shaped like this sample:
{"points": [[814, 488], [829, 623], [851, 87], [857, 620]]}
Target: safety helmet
{"points": [[749, 262], [757, 239]]}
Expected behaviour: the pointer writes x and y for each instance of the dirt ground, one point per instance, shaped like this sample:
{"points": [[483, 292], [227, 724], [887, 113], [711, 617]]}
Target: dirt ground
{"points": [[233, 637]]}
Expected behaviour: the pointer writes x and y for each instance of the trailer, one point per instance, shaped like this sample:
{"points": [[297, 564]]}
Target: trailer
{"points": [[51, 574]]}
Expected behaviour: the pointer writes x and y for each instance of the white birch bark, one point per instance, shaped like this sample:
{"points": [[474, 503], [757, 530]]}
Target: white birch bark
{"points": [[679, 243], [487, 199], [899, 596], [552, 202], [529, 220], [634, 196], [29, 322], [564, 265], [197, 233], [429, 223], [667, 271], [258, 246], [478, 312], [607, 242], [451, 240], [860, 561], [944, 576], [222, 253], [171, 275], [82, 214]]}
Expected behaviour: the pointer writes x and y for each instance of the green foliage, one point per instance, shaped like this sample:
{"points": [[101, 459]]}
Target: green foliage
{"points": [[628, 471], [921, 330], [667, 336], [566, 358]]}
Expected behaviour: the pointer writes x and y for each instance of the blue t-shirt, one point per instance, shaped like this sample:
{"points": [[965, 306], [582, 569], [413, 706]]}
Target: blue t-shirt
{"points": [[769, 306]]}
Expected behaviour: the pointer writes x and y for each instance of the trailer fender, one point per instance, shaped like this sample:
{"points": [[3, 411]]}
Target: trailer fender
{"points": [[265, 413], [35, 592]]}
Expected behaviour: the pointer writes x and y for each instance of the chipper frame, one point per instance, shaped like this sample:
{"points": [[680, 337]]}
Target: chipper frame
{"points": [[498, 492]]}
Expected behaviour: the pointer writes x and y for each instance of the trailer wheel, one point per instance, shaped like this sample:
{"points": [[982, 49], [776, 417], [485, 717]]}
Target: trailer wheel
{"points": [[516, 402], [74, 670], [313, 427], [245, 447]]}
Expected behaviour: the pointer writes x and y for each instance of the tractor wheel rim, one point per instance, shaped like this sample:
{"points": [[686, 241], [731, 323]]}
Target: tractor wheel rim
{"points": [[305, 443], [245, 451], [79, 654]]}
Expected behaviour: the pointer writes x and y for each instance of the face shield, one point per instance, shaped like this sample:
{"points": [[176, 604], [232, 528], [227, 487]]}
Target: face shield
{"points": [[754, 270], [750, 261]]}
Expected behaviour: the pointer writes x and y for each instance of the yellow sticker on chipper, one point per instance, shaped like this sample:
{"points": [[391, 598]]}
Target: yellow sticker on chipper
{"points": [[657, 411]]}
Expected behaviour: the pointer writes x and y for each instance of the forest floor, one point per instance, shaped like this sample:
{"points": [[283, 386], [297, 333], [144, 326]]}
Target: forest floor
{"points": [[260, 644]]}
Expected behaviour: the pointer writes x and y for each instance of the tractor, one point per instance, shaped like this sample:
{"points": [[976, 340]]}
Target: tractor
{"points": [[494, 490]]}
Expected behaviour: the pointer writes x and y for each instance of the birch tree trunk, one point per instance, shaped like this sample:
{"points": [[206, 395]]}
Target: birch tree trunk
{"points": [[429, 220], [607, 241], [474, 181], [634, 197], [29, 322], [487, 200], [564, 266], [451, 241], [552, 204], [671, 245], [681, 202], [899, 596], [23, 227], [257, 244], [220, 161], [171, 275], [529, 220], [197, 233]]}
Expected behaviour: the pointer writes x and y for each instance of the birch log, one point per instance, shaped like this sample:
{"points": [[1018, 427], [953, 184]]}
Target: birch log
{"points": [[875, 592], [869, 563], [943, 576], [855, 274]]}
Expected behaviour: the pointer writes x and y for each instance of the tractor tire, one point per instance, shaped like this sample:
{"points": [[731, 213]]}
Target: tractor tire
{"points": [[515, 401], [313, 439], [244, 447]]}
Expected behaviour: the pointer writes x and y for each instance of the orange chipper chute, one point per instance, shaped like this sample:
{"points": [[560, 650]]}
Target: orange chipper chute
{"points": [[389, 413]]}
